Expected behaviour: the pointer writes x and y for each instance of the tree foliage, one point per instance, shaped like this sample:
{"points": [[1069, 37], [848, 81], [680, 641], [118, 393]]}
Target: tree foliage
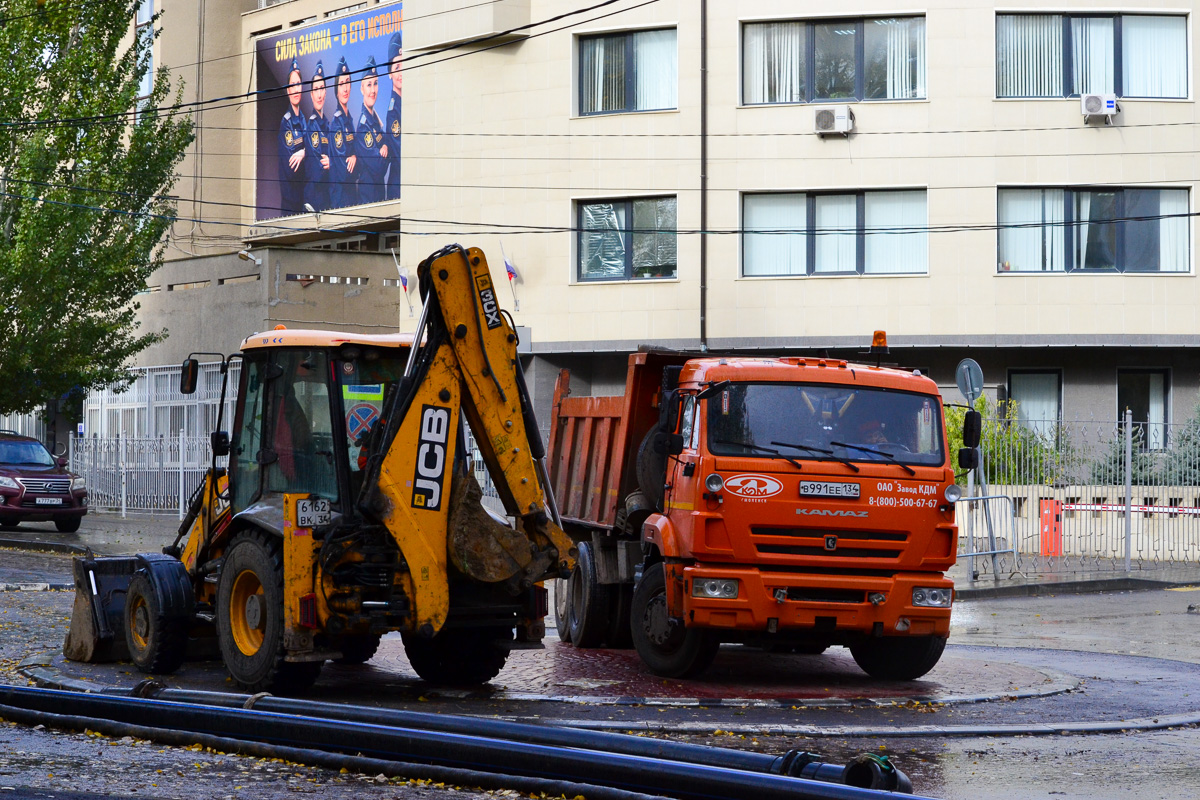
{"points": [[83, 184], [1012, 453]]}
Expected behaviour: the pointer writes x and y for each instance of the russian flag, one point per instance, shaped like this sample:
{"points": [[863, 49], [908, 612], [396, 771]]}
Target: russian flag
{"points": [[404, 279], [510, 269]]}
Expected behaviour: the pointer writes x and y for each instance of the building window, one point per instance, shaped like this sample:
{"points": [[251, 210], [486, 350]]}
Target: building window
{"points": [[144, 30], [1093, 229], [1037, 395], [627, 239], [636, 71], [1059, 55], [1144, 392], [872, 233], [856, 59]]}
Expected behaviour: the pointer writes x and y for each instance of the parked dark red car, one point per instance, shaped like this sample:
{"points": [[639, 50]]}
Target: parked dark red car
{"points": [[36, 487]]}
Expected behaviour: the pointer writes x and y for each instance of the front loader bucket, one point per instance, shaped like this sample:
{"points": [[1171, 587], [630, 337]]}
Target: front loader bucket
{"points": [[97, 631]]}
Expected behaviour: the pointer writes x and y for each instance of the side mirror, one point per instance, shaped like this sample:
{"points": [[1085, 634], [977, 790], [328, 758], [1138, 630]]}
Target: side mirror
{"points": [[220, 442], [972, 429], [191, 374], [668, 444], [62, 462], [670, 410], [968, 458]]}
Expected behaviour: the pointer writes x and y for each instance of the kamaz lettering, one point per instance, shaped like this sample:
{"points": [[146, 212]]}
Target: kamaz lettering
{"points": [[487, 299], [828, 512], [431, 458]]}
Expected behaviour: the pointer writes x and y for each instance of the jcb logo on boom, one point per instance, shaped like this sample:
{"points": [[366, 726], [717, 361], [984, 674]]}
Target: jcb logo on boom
{"points": [[487, 301], [431, 458]]}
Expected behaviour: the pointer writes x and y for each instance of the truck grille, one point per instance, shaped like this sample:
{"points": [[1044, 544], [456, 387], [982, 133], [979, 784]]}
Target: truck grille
{"points": [[46, 485], [810, 543]]}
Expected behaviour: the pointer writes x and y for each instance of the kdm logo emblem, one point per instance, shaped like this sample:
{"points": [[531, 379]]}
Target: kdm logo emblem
{"points": [[754, 486]]}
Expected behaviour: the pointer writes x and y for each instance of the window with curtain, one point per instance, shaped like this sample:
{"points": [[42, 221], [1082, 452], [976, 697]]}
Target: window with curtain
{"points": [[627, 239], [1085, 229], [1056, 55], [637, 71], [793, 61], [1144, 392], [873, 233], [1037, 396]]}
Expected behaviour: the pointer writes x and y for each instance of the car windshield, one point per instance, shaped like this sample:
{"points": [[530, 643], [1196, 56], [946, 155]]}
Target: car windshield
{"points": [[826, 422], [25, 454]]}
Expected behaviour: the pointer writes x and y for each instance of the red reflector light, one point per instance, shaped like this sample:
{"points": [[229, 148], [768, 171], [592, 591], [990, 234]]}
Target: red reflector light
{"points": [[308, 610]]}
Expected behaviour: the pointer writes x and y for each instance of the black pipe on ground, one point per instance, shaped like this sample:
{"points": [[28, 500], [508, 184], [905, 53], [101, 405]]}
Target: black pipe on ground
{"points": [[793, 763], [320, 758], [630, 773]]}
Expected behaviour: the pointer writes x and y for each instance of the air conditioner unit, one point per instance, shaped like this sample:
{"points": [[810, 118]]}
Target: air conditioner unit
{"points": [[1099, 105], [833, 119]]}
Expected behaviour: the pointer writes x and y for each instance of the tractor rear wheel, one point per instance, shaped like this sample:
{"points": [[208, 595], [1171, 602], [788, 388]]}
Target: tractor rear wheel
{"points": [[459, 656]]}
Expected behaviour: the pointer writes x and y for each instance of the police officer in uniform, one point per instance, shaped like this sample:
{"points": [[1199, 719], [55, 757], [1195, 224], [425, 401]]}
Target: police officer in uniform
{"points": [[343, 160], [372, 149], [316, 158], [292, 132], [391, 133]]}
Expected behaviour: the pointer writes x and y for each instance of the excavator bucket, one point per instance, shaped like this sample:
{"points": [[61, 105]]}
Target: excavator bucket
{"points": [[97, 631]]}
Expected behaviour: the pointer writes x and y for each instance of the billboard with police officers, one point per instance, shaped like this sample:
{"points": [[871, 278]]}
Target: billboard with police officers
{"points": [[329, 114]]}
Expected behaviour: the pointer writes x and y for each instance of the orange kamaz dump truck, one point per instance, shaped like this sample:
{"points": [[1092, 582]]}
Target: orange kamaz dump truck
{"points": [[787, 503]]}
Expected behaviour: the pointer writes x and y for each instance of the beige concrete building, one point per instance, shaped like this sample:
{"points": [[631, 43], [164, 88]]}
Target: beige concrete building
{"points": [[765, 176]]}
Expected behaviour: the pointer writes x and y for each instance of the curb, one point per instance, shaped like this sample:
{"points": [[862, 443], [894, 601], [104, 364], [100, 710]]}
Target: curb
{"points": [[49, 547], [37, 587], [1094, 586]]}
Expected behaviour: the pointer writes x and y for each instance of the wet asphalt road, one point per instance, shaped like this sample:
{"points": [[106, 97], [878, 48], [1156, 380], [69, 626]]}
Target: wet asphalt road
{"points": [[1131, 655]]}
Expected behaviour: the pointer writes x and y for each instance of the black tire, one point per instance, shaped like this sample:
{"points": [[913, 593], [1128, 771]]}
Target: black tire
{"points": [[667, 646], [651, 470], [157, 643], [359, 648], [562, 609], [251, 635], [68, 525], [9, 526], [459, 656], [619, 607], [898, 658], [588, 601]]}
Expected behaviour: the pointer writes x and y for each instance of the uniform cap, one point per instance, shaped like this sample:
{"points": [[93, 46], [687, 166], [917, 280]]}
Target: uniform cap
{"points": [[295, 68], [369, 70], [395, 46], [319, 71], [342, 67]]}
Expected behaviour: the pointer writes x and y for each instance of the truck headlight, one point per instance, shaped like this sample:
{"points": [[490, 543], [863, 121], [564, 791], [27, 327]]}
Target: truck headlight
{"points": [[953, 493], [714, 483], [932, 597], [715, 587], [78, 484], [9, 483]]}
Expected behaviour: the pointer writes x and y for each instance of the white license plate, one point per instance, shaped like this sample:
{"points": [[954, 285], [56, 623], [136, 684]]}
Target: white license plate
{"points": [[311, 513], [823, 489], [48, 501]]}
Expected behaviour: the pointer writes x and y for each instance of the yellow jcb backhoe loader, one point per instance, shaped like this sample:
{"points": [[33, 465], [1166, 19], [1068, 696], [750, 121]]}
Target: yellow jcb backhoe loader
{"points": [[348, 509]]}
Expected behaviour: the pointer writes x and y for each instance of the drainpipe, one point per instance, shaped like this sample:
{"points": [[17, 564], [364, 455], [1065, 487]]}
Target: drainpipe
{"points": [[704, 175]]}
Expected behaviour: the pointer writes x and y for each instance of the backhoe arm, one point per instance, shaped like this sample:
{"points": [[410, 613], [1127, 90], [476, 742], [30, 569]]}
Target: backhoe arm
{"points": [[430, 504]]}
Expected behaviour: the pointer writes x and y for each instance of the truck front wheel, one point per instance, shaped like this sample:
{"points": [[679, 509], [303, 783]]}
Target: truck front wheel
{"points": [[668, 647], [898, 658]]}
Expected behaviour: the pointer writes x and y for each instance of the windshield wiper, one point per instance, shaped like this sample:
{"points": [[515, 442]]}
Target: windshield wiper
{"points": [[760, 449], [822, 451], [891, 459]]}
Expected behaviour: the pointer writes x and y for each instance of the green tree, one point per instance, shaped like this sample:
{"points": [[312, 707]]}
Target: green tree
{"points": [[1012, 453], [83, 184]]}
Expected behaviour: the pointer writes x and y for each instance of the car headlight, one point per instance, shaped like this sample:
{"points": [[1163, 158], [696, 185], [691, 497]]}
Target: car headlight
{"points": [[932, 597], [9, 483], [953, 493], [715, 587], [78, 484], [714, 483]]}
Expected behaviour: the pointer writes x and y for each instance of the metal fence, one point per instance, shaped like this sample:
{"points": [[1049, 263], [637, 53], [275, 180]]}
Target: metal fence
{"points": [[1086, 497]]}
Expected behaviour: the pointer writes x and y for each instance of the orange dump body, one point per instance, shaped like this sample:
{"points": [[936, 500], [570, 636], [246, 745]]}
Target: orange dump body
{"points": [[826, 544]]}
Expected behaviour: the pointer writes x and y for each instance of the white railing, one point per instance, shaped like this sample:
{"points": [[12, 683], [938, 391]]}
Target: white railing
{"points": [[141, 474]]}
